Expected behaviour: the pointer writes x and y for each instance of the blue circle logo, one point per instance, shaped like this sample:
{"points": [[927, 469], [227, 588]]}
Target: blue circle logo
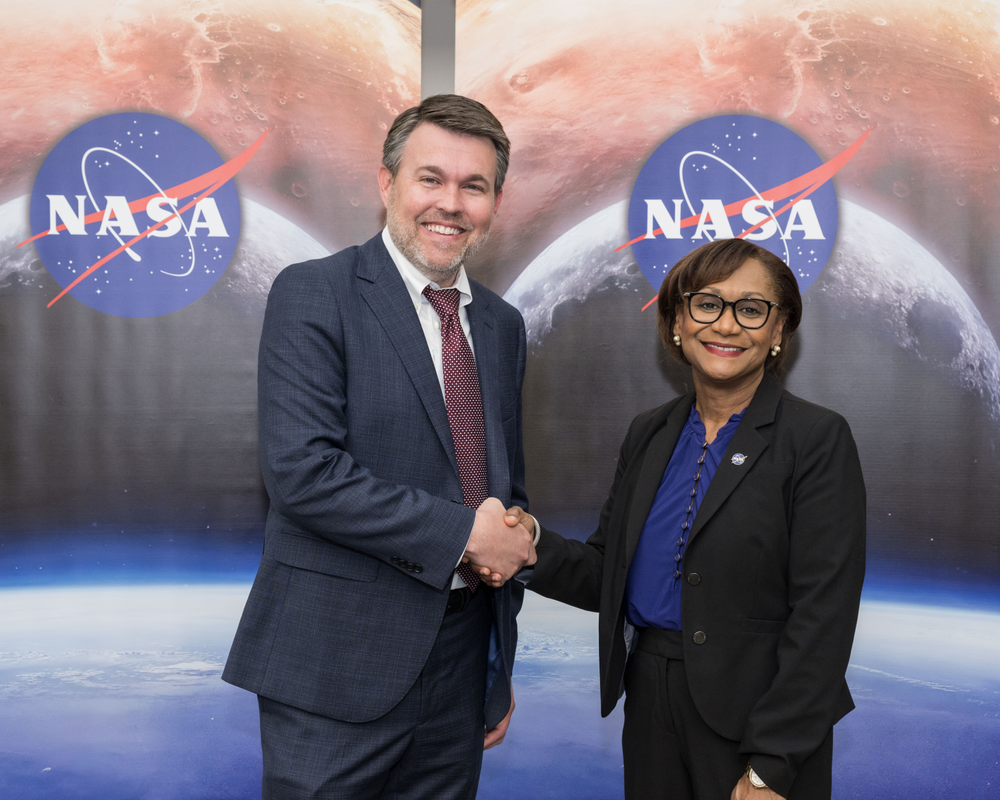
{"points": [[735, 176], [135, 215]]}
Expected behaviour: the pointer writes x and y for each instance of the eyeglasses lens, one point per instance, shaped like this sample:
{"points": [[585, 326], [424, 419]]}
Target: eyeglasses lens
{"points": [[707, 308]]}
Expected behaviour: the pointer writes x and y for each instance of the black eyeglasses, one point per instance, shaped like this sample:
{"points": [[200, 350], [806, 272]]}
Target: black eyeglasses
{"points": [[749, 313]]}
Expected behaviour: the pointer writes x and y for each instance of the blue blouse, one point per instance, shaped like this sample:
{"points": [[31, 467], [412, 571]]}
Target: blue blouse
{"points": [[653, 590]]}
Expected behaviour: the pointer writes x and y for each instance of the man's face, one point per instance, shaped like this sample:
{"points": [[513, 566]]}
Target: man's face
{"points": [[440, 204]]}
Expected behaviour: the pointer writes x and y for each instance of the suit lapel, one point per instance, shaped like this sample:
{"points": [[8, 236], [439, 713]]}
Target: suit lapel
{"points": [[650, 472], [385, 293], [485, 343], [747, 442]]}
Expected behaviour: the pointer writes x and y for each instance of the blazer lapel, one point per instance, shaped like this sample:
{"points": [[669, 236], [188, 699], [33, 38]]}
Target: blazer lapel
{"points": [[650, 472], [385, 293], [485, 343], [746, 442]]}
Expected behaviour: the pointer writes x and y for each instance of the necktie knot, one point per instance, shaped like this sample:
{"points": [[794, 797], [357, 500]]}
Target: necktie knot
{"points": [[444, 301]]}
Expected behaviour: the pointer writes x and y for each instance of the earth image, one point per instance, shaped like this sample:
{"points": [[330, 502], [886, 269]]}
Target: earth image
{"points": [[114, 692]]}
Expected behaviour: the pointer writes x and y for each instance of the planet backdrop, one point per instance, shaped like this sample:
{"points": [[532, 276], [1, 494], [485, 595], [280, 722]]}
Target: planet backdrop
{"points": [[131, 503]]}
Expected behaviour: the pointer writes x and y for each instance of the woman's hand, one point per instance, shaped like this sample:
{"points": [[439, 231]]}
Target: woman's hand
{"points": [[515, 515], [747, 791]]}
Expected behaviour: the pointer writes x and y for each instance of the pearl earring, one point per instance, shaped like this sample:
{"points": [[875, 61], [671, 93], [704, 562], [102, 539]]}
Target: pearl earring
{"points": [[677, 340], [775, 350]]}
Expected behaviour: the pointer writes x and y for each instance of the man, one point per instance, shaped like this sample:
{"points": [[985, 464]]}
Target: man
{"points": [[390, 409]]}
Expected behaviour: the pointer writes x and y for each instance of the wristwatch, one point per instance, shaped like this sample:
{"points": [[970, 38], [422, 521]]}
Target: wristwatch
{"points": [[755, 779]]}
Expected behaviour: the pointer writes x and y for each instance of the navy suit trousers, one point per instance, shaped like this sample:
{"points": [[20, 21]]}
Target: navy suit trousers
{"points": [[429, 746]]}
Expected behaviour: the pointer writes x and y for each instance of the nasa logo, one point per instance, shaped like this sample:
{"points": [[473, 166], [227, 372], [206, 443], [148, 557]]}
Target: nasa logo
{"points": [[136, 215], [735, 176]]}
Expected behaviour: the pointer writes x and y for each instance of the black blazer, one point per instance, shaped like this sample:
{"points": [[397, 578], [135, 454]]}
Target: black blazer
{"points": [[773, 572]]}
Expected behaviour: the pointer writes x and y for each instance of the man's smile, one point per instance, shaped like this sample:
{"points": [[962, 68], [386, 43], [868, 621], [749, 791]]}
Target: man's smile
{"points": [[443, 228]]}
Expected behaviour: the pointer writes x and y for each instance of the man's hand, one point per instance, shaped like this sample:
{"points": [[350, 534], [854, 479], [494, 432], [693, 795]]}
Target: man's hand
{"points": [[497, 549], [514, 516], [745, 790], [495, 735]]}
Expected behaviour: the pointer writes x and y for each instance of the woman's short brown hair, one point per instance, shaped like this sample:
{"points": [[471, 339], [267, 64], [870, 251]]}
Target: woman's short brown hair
{"points": [[716, 261]]}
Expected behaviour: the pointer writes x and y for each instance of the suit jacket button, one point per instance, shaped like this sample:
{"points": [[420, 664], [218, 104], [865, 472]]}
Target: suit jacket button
{"points": [[699, 637], [694, 578], [417, 568], [395, 559]]}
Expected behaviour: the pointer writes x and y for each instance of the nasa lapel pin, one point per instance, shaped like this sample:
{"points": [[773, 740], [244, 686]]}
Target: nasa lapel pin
{"points": [[738, 459]]}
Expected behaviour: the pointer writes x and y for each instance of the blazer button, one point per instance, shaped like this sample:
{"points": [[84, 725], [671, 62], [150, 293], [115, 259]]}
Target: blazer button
{"points": [[417, 568], [395, 559], [699, 637], [694, 578]]}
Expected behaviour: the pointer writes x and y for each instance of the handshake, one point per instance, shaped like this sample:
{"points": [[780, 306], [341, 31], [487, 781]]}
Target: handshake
{"points": [[502, 542]]}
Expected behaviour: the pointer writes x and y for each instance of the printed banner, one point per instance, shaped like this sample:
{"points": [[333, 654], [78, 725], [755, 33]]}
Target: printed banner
{"points": [[862, 149], [161, 162]]}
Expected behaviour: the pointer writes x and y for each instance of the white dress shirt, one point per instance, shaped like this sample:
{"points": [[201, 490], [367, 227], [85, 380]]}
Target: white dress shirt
{"points": [[430, 323]]}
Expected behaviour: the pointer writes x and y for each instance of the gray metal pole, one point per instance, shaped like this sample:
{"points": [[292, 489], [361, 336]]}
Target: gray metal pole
{"points": [[437, 41]]}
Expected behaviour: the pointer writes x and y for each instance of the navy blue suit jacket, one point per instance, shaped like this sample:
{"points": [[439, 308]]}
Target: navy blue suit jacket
{"points": [[366, 522]]}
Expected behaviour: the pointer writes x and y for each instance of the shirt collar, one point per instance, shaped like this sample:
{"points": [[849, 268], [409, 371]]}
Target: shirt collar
{"points": [[697, 427], [416, 281]]}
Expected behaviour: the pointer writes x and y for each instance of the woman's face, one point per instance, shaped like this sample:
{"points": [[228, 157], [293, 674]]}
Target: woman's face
{"points": [[723, 352]]}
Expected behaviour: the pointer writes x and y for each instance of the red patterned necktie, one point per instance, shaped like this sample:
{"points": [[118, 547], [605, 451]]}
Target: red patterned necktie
{"points": [[465, 407]]}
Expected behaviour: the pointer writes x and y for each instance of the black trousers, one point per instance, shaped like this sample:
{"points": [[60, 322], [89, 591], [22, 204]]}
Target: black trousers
{"points": [[670, 752], [429, 746]]}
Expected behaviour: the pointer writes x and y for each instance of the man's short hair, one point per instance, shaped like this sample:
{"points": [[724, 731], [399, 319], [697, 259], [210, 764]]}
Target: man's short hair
{"points": [[454, 113]]}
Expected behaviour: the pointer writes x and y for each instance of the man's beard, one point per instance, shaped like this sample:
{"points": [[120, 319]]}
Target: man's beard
{"points": [[404, 236]]}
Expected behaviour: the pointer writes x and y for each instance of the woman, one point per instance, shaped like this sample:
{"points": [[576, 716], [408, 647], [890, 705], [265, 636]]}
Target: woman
{"points": [[728, 563]]}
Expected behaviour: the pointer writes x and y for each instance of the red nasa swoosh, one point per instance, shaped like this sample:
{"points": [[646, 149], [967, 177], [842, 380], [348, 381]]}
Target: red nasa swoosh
{"points": [[209, 182], [805, 184]]}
